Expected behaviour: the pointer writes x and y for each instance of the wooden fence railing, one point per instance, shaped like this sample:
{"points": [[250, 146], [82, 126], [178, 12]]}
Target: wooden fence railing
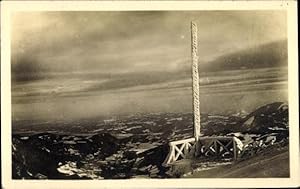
{"points": [[222, 147]]}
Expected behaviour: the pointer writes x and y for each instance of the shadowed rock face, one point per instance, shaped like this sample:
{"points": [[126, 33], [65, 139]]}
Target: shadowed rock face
{"points": [[268, 118], [54, 156], [141, 153], [40, 155]]}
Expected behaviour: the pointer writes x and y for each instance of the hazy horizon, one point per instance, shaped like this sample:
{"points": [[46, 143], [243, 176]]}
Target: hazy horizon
{"points": [[86, 64]]}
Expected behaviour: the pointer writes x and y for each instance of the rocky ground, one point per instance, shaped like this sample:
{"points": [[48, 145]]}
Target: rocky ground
{"points": [[272, 162], [132, 146]]}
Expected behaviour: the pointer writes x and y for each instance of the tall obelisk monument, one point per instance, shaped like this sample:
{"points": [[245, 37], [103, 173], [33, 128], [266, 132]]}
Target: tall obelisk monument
{"points": [[195, 78]]}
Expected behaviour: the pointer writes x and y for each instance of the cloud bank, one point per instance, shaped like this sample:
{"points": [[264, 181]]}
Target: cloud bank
{"points": [[133, 42], [80, 64]]}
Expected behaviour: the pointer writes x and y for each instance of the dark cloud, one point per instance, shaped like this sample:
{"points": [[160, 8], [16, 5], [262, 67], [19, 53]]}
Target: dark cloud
{"points": [[98, 63], [134, 41]]}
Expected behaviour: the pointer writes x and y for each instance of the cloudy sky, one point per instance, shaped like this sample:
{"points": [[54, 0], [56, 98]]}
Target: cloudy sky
{"points": [[66, 52], [126, 42]]}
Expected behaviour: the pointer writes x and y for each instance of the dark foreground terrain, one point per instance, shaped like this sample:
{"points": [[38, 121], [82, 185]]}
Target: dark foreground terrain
{"points": [[272, 162], [136, 146]]}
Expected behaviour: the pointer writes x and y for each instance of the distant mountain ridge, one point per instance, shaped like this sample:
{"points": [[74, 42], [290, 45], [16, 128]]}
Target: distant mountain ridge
{"points": [[272, 54]]}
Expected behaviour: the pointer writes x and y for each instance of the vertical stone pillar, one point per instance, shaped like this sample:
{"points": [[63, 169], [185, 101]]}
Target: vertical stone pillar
{"points": [[195, 75]]}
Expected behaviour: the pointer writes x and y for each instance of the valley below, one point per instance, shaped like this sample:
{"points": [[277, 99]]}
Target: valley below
{"points": [[136, 146]]}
